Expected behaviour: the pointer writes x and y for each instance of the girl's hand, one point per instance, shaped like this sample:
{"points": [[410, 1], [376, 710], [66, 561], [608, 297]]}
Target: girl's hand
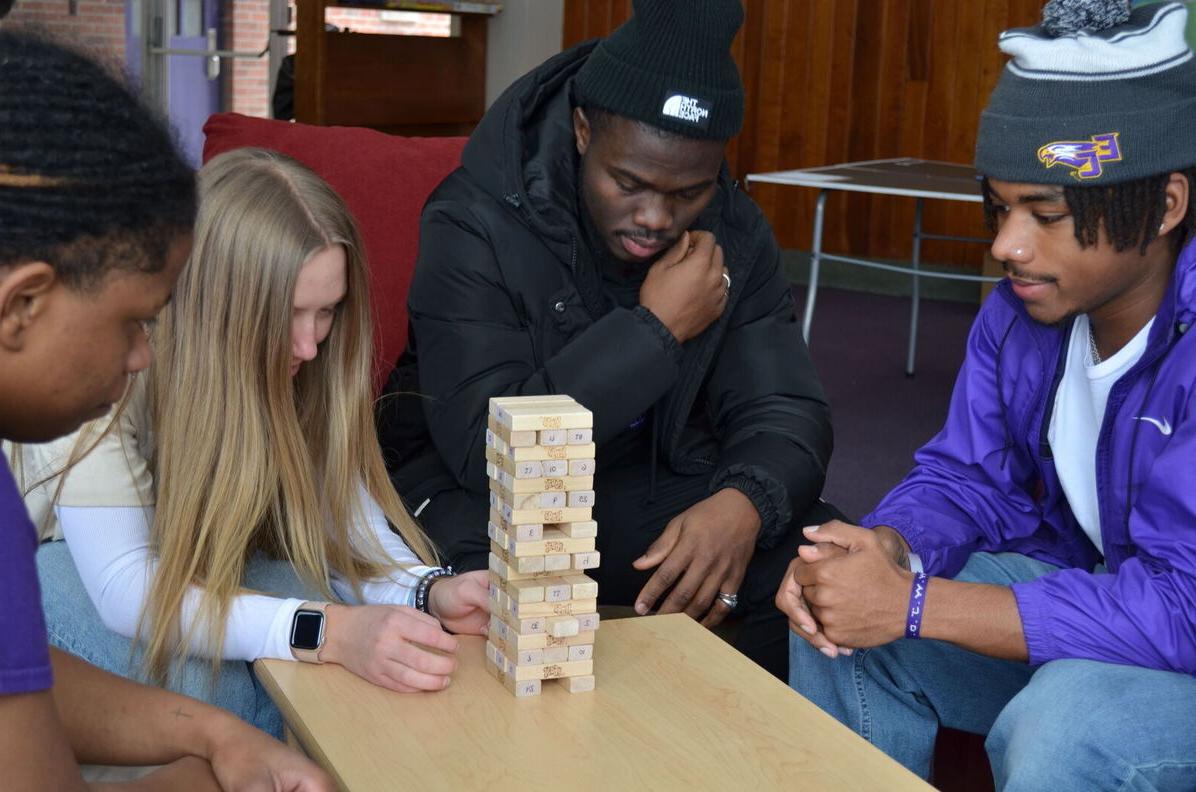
{"points": [[390, 645], [462, 603]]}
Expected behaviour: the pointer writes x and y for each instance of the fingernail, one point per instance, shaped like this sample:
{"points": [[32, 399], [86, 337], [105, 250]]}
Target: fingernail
{"points": [[447, 681], [846, 652], [810, 528], [829, 652], [641, 608], [808, 629]]}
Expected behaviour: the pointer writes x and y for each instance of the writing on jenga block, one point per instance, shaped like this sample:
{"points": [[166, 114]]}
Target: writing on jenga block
{"points": [[543, 609]]}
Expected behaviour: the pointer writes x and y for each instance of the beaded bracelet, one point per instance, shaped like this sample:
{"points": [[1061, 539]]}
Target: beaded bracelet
{"points": [[424, 586], [917, 599]]}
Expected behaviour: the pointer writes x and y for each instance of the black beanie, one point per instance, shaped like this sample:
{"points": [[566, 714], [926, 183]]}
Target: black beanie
{"points": [[670, 66], [1095, 95]]}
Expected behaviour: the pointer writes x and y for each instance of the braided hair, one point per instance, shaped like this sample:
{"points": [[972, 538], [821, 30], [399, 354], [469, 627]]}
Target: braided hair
{"points": [[90, 179], [1130, 212]]}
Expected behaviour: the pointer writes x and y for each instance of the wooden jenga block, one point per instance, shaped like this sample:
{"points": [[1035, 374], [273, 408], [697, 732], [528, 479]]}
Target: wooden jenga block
{"points": [[577, 530], [557, 654], [525, 501], [501, 454], [580, 652], [557, 563], [582, 467], [521, 591], [553, 437], [587, 622], [503, 568], [559, 590], [520, 439], [542, 484], [553, 542], [536, 657], [505, 637], [525, 532], [579, 684], [526, 610], [554, 468], [581, 499], [586, 560], [523, 417], [581, 587], [531, 626], [554, 670], [580, 436], [528, 565], [559, 626], [522, 688], [497, 534], [513, 515], [496, 402]]}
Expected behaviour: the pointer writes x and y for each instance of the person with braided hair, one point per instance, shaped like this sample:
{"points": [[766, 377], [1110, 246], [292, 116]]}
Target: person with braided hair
{"points": [[96, 210], [1043, 548]]}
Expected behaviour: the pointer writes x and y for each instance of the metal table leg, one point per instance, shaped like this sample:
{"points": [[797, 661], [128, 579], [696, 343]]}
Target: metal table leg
{"points": [[915, 263], [815, 260]]}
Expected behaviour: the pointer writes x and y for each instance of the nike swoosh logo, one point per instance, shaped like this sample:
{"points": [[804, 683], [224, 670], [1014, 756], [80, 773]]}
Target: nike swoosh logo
{"points": [[1163, 425]]}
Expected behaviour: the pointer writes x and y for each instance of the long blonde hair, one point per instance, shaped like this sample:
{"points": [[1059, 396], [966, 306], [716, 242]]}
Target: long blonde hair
{"points": [[248, 458]]}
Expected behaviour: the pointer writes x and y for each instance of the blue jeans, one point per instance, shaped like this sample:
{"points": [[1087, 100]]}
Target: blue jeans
{"points": [[74, 626], [1068, 724]]}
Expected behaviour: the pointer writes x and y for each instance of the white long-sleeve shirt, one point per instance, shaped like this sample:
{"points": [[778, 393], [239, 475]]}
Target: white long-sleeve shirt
{"points": [[104, 511]]}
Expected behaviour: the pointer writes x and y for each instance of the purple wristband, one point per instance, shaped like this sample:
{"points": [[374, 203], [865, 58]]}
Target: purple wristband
{"points": [[917, 599]]}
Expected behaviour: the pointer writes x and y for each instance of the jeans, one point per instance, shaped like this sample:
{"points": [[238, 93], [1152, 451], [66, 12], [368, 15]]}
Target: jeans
{"points": [[74, 626], [1064, 725]]}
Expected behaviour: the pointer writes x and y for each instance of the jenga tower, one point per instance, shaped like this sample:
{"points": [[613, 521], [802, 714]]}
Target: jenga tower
{"points": [[543, 610]]}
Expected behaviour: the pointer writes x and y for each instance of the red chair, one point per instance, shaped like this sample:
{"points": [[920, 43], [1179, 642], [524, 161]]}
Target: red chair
{"points": [[385, 181]]}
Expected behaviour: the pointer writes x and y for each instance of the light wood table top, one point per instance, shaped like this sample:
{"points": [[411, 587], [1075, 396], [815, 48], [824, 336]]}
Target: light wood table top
{"points": [[675, 708]]}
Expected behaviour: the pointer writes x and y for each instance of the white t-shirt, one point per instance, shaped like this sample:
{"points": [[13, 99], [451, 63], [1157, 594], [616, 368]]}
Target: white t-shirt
{"points": [[103, 507], [1077, 417]]}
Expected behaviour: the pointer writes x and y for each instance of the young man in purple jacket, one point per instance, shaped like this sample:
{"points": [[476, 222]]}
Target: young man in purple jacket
{"points": [[1055, 513]]}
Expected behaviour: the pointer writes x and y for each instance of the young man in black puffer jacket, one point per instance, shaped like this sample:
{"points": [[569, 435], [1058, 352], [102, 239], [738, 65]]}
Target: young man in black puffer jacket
{"points": [[593, 244]]}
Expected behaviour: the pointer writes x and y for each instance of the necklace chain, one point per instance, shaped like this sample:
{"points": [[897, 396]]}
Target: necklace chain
{"points": [[1096, 358]]}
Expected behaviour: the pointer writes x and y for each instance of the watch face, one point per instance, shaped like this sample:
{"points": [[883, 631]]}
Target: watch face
{"points": [[306, 630]]}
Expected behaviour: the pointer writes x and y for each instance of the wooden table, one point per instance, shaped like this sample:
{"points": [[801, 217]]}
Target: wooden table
{"points": [[912, 178], [675, 708]]}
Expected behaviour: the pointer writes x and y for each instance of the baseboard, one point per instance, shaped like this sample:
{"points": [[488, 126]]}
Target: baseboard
{"points": [[837, 275]]}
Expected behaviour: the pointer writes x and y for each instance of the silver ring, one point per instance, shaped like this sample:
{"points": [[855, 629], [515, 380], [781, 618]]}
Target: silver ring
{"points": [[730, 600], [727, 280]]}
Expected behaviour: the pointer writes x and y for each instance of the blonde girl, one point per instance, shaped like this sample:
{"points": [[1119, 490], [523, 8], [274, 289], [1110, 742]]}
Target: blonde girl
{"points": [[237, 506]]}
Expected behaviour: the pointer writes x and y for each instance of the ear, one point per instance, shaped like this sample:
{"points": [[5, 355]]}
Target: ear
{"points": [[24, 296], [581, 130], [1177, 195]]}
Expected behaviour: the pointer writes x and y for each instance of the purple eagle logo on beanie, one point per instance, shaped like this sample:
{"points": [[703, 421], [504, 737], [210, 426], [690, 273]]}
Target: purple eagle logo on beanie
{"points": [[1085, 157]]}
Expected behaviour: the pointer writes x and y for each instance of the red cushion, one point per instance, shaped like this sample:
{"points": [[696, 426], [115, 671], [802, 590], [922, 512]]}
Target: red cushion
{"points": [[384, 179]]}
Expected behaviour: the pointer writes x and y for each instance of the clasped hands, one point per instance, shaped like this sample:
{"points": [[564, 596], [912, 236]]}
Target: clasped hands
{"points": [[849, 589]]}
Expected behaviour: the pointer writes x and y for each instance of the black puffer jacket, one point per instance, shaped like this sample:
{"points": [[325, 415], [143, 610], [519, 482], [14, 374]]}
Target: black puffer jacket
{"points": [[506, 300]]}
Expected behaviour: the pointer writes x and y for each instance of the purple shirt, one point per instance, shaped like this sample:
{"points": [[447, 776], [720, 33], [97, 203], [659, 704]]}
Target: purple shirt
{"points": [[24, 653]]}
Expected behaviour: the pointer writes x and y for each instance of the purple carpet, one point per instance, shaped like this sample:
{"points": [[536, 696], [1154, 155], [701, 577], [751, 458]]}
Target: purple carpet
{"points": [[881, 416]]}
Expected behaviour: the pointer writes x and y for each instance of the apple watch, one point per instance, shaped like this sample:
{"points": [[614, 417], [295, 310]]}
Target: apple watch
{"points": [[307, 632]]}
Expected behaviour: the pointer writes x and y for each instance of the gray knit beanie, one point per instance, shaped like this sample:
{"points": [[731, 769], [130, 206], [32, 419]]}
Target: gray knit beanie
{"points": [[1096, 94], [670, 66]]}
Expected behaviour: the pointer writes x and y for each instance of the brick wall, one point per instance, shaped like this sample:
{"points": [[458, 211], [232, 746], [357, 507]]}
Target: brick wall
{"points": [[247, 28], [98, 25]]}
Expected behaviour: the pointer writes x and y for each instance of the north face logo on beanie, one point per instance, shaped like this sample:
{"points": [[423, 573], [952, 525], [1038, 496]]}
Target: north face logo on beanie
{"points": [[687, 108]]}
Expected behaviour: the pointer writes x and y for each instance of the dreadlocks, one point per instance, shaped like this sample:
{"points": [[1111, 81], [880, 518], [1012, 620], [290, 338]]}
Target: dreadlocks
{"points": [[1129, 212], [89, 179]]}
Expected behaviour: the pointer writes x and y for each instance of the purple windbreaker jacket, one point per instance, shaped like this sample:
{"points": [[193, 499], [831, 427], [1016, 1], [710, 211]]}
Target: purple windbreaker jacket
{"points": [[987, 482]]}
